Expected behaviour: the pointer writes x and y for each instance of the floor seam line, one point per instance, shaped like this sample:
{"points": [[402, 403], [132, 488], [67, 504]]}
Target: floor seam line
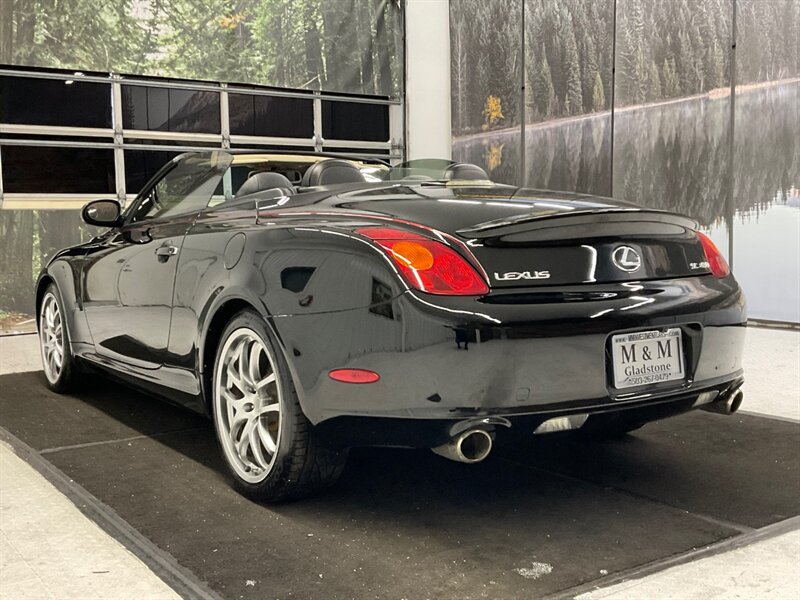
{"points": [[741, 528], [727, 544], [183, 581], [751, 413], [116, 441]]}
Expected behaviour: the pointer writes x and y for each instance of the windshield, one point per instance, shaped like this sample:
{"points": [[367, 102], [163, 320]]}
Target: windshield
{"points": [[436, 169]]}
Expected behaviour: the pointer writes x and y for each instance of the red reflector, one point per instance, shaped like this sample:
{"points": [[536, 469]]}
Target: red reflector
{"points": [[428, 265], [354, 375], [716, 262]]}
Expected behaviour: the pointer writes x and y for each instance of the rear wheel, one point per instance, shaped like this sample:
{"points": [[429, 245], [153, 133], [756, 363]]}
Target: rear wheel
{"points": [[268, 444], [57, 360]]}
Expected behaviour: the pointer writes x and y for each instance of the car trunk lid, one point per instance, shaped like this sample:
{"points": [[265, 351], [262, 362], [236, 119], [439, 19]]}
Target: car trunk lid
{"points": [[524, 238], [596, 246]]}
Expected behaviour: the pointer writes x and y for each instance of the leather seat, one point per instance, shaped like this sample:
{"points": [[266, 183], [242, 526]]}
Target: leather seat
{"points": [[465, 171], [331, 171], [260, 181]]}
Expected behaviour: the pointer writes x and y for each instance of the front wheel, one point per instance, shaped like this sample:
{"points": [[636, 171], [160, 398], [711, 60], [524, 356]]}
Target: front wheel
{"points": [[57, 360], [268, 444]]}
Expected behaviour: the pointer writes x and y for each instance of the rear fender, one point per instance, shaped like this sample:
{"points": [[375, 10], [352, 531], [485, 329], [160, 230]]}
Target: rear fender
{"points": [[284, 273]]}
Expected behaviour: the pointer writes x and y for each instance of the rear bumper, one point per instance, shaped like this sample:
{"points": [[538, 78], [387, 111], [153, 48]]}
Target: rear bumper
{"points": [[520, 355], [508, 425]]}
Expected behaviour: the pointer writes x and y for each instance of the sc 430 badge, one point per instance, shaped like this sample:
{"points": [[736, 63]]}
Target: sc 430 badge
{"points": [[517, 275]]}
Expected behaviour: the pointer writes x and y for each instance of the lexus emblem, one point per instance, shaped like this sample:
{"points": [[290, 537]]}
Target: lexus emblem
{"points": [[626, 259]]}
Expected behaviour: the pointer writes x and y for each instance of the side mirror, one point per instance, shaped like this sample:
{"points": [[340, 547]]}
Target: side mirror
{"points": [[105, 213]]}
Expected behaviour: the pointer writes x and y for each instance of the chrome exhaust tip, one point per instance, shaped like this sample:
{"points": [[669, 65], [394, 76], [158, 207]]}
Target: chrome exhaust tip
{"points": [[728, 405], [468, 447]]}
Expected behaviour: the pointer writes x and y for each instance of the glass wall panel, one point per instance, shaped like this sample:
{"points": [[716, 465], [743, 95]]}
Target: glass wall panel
{"points": [[486, 62], [71, 103], [54, 163], [353, 46], [28, 238], [141, 165], [161, 109], [766, 194], [355, 121], [270, 116], [672, 106], [568, 64], [43, 170]]}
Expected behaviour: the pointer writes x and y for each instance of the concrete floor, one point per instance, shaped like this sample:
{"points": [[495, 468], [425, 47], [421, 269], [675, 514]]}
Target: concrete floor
{"points": [[49, 549]]}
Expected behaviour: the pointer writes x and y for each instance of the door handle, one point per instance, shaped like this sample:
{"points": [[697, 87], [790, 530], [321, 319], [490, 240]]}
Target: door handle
{"points": [[164, 252]]}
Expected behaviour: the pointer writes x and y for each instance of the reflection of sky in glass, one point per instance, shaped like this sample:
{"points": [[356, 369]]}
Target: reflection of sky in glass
{"points": [[674, 156], [766, 261]]}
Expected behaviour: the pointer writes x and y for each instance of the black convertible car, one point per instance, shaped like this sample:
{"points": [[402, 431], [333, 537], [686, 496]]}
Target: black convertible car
{"points": [[309, 304]]}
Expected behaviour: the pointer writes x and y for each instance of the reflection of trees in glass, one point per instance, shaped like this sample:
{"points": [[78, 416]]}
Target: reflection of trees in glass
{"points": [[662, 158], [768, 40], [669, 49], [570, 155], [346, 45], [665, 49], [766, 149], [77, 34], [567, 46], [28, 238], [485, 60]]}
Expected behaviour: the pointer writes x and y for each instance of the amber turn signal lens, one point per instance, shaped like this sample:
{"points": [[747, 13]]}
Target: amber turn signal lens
{"points": [[428, 265], [414, 255]]}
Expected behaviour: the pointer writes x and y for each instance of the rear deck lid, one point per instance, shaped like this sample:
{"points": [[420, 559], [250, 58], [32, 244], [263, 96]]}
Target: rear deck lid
{"points": [[525, 238]]}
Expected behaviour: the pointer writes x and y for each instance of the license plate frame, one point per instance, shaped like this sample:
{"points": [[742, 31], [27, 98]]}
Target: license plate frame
{"points": [[645, 358]]}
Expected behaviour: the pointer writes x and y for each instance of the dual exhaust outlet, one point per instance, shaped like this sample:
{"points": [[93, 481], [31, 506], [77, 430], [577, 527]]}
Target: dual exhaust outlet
{"points": [[727, 405], [471, 446], [474, 445]]}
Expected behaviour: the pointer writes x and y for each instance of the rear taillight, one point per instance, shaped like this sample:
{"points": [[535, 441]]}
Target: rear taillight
{"points": [[716, 262], [427, 265]]}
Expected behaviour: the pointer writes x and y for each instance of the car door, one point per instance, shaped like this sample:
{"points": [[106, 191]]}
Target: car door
{"points": [[129, 276]]}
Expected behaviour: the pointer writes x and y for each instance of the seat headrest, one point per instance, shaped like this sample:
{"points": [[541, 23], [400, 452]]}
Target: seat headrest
{"points": [[465, 171], [330, 171], [261, 181]]}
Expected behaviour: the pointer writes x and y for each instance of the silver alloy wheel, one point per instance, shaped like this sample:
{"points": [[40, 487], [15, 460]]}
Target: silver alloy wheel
{"points": [[51, 337], [247, 404]]}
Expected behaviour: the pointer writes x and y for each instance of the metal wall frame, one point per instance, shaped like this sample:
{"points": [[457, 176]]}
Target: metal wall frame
{"points": [[117, 138]]}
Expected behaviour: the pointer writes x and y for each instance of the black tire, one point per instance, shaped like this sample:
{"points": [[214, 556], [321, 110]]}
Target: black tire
{"points": [[301, 465], [67, 377]]}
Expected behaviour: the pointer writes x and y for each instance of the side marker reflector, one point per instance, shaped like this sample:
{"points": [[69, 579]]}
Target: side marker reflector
{"points": [[354, 375]]}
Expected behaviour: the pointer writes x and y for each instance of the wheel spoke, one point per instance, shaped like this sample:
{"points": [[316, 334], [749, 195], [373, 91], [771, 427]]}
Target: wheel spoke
{"points": [[248, 416], [231, 400], [239, 417], [51, 338], [252, 363], [242, 362], [274, 407], [244, 441], [233, 377], [266, 438], [265, 382], [255, 446]]}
